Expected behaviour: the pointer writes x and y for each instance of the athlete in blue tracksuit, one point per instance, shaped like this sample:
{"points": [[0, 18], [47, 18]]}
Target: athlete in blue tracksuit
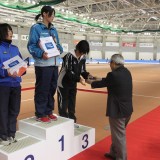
{"points": [[10, 88], [46, 69]]}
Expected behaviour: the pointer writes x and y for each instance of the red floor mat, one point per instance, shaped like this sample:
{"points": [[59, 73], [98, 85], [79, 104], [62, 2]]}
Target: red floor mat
{"points": [[143, 140]]}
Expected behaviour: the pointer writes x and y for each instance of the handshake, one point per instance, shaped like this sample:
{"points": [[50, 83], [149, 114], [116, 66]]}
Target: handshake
{"points": [[92, 79]]}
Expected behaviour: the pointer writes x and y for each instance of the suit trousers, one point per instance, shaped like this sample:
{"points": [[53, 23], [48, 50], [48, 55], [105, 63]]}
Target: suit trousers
{"points": [[118, 136]]}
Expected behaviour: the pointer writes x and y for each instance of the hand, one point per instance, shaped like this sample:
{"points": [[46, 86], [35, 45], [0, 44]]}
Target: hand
{"points": [[97, 78], [45, 56], [92, 77], [89, 81], [82, 81], [14, 75]]}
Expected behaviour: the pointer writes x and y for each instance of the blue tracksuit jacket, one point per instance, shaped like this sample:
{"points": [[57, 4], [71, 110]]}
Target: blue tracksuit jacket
{"points": [[8, 51], [36, 32]]}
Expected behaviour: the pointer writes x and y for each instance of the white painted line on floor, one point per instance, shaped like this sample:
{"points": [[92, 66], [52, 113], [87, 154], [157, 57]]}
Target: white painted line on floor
{"points": [[27, 100], [29, 79], [145, 81], [138, 95], [27, 82]]}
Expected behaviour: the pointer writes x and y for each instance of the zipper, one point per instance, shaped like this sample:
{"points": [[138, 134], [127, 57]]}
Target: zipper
{"points": [[55, 61], [55, 43], [9, 51]]}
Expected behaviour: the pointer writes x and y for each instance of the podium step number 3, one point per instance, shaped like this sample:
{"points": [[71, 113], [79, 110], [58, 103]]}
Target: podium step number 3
{"points": [[58, 140]]}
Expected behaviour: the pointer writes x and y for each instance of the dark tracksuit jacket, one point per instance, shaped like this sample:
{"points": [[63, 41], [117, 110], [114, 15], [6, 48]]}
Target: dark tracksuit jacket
{"points": [[71, 70]]}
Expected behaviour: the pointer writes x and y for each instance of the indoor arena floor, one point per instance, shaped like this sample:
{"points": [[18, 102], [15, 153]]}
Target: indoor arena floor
{"points": [[91, 107]]}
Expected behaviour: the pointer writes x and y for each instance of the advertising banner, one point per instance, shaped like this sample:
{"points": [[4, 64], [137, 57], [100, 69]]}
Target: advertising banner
{"points": [[129, 44]]}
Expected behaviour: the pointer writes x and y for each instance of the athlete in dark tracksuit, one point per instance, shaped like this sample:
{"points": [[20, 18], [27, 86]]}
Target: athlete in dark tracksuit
{"points": [[72, 69]]}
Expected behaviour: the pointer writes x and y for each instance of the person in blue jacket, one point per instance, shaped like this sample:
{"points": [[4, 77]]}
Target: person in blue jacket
{"points": [[10, 88], [46, 69]]}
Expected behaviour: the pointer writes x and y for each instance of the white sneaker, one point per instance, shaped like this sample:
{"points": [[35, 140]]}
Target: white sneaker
{"points": [[12, 139], [76, 125], [4, 142]]}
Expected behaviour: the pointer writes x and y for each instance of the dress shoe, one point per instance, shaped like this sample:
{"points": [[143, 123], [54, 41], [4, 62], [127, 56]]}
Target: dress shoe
{"points": [[108, 155]]}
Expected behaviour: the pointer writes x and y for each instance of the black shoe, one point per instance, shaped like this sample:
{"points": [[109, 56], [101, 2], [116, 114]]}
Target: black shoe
{"points": [[107, 155]]}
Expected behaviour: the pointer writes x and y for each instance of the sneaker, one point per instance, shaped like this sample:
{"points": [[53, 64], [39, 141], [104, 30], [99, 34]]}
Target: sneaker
{"points": [[44, 119], [4, 142], [108, 155], [76, 125], [52, 117], [12, 139]]}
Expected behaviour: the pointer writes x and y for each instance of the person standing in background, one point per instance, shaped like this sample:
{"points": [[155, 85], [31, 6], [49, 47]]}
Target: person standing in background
{"points": [[46, 69], [119, 104], [10, 88]]}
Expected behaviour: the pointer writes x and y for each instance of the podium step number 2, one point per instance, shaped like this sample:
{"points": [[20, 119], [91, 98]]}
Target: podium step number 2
{"points": [[58, 140]]}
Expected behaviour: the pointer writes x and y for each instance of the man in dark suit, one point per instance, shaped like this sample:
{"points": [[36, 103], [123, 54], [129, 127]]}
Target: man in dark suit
{"points": [[119, 104]]}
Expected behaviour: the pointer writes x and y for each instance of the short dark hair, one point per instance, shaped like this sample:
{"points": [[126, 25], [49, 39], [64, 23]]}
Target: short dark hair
{"points": [[46, 9], [83, 47], [4, 27]]}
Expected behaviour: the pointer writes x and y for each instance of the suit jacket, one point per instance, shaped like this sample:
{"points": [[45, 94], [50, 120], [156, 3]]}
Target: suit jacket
{"points": [[119, 85]]}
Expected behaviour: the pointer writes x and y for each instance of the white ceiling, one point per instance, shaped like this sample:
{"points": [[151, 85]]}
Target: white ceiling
{"points": [[126, 15]]}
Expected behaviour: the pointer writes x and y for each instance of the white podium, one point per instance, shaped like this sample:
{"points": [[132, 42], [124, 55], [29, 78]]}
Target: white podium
{"points": [[27, 148], [58, 140]]}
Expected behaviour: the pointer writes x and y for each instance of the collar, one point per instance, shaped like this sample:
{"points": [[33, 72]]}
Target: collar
{"points": [[6, 44], [44, 26], [80, 58], [120, 67]]}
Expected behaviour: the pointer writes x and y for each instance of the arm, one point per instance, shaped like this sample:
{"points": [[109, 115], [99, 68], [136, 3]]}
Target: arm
{"points": [[3, 72], [99, 84], [104, 82], [33, 43], [6, 72], [57, 42], [84, 73], [69, 68]]}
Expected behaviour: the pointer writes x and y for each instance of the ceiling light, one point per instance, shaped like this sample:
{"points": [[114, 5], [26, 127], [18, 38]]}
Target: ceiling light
{"points": [[113, 33], [155, 18], [147, 34], [98, 31]]}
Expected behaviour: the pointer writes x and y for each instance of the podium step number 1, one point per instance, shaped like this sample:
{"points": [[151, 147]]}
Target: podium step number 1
{"points": [[58, 140]]}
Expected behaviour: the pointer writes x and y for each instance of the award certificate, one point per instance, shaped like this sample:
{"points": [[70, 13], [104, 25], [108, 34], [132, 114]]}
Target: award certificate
{"points": [[15, 64], [49, 46]]}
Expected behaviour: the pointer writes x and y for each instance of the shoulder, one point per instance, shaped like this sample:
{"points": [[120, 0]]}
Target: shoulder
{"points": [[123, 69], [37, 26], [53, 29], [68, 55], [14, 47]]}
